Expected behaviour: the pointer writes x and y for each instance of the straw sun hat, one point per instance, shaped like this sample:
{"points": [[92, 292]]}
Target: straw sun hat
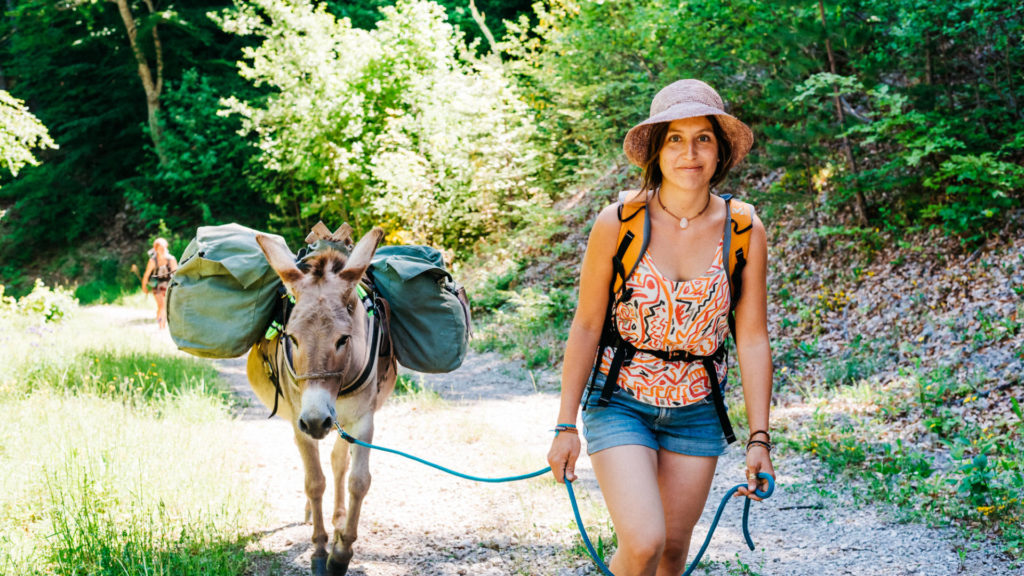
{"points": [[687, 99]]}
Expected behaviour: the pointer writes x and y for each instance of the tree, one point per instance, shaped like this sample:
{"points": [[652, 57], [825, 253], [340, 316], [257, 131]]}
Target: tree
{"points": [[399, 125], [152, 79], [20, 133]]}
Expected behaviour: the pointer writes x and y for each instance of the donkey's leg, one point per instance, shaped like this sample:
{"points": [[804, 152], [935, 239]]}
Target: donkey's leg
{"points": [[345, 524], [315, 484]]}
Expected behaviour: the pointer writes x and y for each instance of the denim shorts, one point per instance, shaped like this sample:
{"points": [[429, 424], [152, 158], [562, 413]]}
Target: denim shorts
{"points": [[693, 430]]}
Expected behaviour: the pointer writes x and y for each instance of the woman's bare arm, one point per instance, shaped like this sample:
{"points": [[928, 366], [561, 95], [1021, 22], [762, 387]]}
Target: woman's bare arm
{"points": [[754, 348]]}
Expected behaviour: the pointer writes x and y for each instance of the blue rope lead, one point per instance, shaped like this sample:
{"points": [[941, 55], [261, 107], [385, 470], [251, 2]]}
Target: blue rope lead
{"points": [[714, 524], [572, 499], [353, 440]]}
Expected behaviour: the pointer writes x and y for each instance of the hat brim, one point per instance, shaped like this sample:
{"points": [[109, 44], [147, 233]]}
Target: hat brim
{"points": [[740, 136]]}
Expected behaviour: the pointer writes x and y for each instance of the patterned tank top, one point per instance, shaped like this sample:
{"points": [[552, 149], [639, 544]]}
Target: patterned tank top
{"points": [[663, 314]]}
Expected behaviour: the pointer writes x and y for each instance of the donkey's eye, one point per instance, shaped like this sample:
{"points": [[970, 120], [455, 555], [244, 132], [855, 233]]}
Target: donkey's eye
{"points": [[341, 342]]}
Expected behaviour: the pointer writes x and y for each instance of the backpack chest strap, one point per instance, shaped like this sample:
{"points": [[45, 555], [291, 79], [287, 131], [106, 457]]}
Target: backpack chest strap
{"points": [[624, 353]]}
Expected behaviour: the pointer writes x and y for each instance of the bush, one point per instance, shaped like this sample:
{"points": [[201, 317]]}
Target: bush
{"points": [[399, 125], [42, 304]]}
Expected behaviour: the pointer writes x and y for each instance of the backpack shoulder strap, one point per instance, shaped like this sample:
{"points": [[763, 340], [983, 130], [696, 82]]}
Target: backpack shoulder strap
{"points": [[742, 222], [634, 235], [739, 221]]}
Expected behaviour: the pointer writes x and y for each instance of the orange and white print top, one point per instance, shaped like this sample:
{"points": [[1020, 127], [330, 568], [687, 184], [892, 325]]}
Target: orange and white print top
{"points": [[663, 314]]}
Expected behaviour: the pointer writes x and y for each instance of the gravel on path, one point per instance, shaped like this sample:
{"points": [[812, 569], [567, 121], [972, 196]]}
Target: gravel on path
{"points": [[493, 420]]}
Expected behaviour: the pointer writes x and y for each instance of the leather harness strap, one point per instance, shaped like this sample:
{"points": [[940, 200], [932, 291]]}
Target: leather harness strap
{"points": [[375, 309]]}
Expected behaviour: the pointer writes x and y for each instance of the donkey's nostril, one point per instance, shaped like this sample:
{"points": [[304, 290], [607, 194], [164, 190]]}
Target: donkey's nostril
{"points": [[303, 426], [327, 423]]}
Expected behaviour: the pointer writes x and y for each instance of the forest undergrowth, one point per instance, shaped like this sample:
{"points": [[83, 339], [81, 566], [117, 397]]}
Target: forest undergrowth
{"points": [[897, 354]]}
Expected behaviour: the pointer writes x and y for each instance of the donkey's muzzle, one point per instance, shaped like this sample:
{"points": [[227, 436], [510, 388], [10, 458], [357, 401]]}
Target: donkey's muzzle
{"points": [[317, 415], [316, 427]]}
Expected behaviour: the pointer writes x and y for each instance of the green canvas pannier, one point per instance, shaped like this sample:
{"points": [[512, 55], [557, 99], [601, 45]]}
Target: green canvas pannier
{"points": [[221, 297], [430, 322]]}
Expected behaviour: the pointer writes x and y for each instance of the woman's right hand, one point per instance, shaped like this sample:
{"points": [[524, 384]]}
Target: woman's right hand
{"points": [[565, 449]]}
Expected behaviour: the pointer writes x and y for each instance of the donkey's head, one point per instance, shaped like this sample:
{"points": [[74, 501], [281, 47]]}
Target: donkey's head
{"points": [[327, 327]]}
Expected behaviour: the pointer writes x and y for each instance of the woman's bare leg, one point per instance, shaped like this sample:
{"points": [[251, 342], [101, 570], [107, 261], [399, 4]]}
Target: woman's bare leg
{"points": [[628, 476], [161, 309], [684, 483]]}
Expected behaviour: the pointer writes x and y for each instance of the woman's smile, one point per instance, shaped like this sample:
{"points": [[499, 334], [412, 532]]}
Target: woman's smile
{"points": [[689, 155]]}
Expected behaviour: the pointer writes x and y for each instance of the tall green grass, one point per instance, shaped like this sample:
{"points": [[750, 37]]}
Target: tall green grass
{"points": [[117, 455]]}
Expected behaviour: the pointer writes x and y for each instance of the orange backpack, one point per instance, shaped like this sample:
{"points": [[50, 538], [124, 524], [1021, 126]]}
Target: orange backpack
{"points": [[634, 236]]}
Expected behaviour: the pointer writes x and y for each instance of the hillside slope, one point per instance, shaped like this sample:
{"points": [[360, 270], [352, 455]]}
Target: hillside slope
{"points": [[898, 355]]}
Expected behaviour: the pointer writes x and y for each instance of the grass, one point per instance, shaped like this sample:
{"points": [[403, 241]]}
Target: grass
{"points": [[116, 455], [965, 466], [599, 529], [412, 389]]}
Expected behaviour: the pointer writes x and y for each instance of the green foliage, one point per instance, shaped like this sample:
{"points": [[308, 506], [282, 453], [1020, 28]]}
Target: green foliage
{"points": [[395, 125], [412, 388], [857, 362], [366, 13], [91, 536], [959, 470], [932, 141], [979, 191], [42, 304], [20, 132], [82, 88], [531, 322], [210, 176], [106, 283]]}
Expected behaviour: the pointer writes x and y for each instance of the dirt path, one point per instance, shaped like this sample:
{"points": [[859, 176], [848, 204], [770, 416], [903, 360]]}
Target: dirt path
{"points": [[493, 420]]}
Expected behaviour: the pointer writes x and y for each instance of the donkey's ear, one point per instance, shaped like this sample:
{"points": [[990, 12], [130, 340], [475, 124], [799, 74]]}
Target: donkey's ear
{"points": [[280, 258], [361, 256]]}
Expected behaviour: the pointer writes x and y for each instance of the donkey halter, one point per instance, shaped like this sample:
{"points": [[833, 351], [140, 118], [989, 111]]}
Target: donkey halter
{"points": [[368, 299]]}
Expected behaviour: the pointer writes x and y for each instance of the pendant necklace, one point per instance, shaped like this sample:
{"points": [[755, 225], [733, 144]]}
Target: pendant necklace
{"points": [[684, 222]]}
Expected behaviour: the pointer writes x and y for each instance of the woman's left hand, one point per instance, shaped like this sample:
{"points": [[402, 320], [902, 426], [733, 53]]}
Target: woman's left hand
{"points": [[759, 459]]}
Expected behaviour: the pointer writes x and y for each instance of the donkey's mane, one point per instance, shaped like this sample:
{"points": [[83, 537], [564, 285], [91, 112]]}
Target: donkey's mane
{"points": [[329, 261]]}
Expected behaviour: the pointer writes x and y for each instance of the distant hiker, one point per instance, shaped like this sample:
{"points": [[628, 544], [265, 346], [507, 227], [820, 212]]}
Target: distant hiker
{"points": [[661, 278], [157, 276]]}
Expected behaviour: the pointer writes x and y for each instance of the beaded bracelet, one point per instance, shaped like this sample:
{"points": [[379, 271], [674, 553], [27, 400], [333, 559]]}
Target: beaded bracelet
{"points": [[765, 432], [767, 445], [565, 428]]}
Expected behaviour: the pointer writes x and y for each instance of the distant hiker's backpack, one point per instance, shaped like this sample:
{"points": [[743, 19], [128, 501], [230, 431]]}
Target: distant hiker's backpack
{"points": [[634, 236], [221, 297], [430, 322]]}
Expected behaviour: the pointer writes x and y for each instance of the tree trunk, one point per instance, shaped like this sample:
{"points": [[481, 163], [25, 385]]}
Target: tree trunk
{"points": [[479, 18], [152, 86], [927, 61], [860, 204], [14, 32]]}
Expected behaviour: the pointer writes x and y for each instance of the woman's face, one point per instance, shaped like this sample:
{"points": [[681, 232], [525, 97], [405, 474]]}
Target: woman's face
{"points": [[159, 247], [689, 156]]}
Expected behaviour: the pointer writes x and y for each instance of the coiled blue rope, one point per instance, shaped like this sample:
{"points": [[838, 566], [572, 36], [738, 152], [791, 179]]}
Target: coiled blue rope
{"points": [[572, 499], [707, 540]]}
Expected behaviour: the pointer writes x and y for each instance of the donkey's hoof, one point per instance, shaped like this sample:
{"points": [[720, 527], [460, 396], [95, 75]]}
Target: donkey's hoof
{"points": [[318, 566], [337, 567]]}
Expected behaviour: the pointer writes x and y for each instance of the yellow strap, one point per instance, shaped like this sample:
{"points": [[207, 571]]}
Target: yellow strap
{"points": [[636, 203], [633, 205], [742, 223]]}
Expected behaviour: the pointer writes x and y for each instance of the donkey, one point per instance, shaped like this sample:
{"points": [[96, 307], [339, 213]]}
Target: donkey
{"points": [[336, 375]]}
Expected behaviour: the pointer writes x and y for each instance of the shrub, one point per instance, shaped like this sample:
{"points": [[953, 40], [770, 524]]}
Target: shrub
{"points": [[43, 303]]}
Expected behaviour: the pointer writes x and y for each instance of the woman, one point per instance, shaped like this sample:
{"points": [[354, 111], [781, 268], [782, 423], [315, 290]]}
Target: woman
{"points": [[655, 445], [160, 267]]}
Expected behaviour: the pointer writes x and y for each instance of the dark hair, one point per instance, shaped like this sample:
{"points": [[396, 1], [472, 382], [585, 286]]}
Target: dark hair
{"points": [[652, 175]]}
